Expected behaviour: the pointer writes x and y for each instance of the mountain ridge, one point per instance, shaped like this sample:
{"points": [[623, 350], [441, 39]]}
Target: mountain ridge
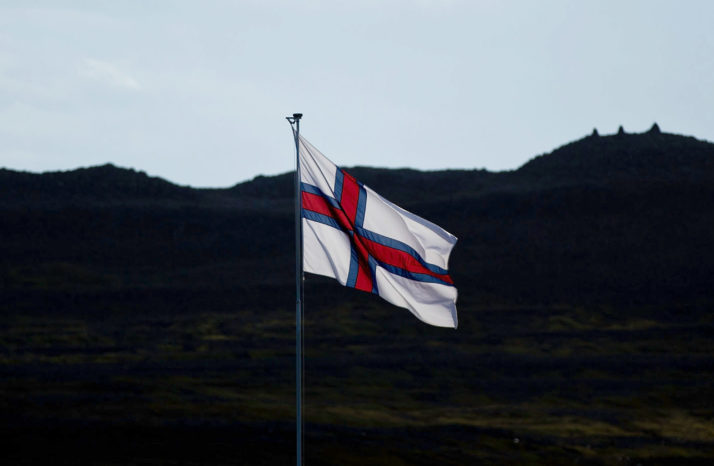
{"points": [[100, 182], [651, 156], [556, 229], [161, 319]]}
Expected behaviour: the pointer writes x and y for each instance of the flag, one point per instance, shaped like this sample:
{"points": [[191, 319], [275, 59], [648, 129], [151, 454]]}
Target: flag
{"points": [[354, 235]]}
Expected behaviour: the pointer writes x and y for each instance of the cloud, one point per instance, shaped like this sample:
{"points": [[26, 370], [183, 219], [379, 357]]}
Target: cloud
{"points": [[108, 73]]}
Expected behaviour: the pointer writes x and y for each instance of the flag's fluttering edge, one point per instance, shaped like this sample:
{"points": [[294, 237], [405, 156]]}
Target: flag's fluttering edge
{"points": [[354, 235]]}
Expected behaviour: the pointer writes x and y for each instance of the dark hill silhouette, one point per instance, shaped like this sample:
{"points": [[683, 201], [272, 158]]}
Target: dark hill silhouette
{"points": [[147, 323], [650, 156], [105, 182], [625, 216], [594, 159], [598, 160]]}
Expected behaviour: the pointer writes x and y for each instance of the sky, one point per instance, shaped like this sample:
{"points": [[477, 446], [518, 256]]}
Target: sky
{"points": [[197, 92]]}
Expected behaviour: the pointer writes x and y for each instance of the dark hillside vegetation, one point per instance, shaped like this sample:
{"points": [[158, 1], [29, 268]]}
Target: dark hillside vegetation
{"points": [[147, 323], [106, 183]]}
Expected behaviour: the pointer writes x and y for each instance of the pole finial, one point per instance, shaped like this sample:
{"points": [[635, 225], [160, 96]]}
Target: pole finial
{"points": [[295, 118]]}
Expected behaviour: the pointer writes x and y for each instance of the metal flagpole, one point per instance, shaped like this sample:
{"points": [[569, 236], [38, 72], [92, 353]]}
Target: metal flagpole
{"points": [[295, 120]]}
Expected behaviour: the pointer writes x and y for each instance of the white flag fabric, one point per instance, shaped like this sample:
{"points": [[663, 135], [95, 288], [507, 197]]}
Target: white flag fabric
{"points": [[354, 235]]}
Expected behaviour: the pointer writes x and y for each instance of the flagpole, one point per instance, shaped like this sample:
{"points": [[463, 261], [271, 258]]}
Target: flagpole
{"points": [[295, 120]]}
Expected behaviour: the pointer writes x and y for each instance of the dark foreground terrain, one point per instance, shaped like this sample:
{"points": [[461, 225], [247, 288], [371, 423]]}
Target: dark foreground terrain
{"points": [[143, 323], [516, 385]]}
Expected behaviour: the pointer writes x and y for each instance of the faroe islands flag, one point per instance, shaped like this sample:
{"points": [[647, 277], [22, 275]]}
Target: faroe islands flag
{"points": [[354, 235]]}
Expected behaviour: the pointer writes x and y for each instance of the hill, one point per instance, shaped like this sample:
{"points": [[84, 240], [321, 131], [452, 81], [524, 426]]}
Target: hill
{"points": [[147, 323], [627, 158], [106, 183], [623, 217]]}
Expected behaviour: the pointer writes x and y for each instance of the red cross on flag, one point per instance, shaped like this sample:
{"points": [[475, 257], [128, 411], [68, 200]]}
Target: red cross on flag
{"points": [[354, 235]]}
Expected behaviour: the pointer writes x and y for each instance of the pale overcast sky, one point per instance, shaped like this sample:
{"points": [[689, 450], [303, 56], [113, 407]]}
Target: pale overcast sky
{"points": [[196, 91]]}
